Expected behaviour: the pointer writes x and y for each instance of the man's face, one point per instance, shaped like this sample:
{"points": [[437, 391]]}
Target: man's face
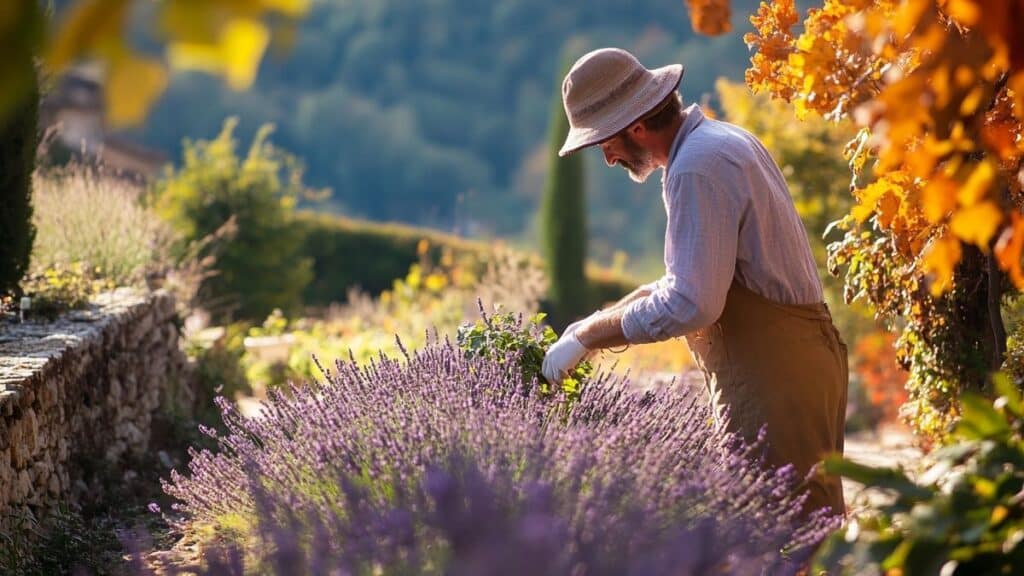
{"points": [[634, 158]]}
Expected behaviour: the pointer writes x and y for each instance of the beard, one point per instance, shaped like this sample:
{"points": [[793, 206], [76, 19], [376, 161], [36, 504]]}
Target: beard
{"points": [[640, 163]]}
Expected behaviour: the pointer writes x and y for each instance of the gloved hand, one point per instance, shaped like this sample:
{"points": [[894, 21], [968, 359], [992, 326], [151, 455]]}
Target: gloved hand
{"points": [[562, 357]]}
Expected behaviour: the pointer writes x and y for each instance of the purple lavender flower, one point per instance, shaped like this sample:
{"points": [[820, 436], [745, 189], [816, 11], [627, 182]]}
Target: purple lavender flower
{"points": [[441, 464]]}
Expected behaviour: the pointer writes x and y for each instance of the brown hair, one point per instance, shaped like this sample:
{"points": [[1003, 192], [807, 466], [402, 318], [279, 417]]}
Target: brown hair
{"points": [[664, 113]]}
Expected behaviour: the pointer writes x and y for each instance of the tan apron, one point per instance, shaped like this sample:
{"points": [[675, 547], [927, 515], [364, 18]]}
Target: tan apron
{"points": [[785, 366]]}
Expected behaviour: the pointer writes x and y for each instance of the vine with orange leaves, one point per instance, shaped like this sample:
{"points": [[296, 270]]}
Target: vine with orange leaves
{"points": [[934, 241]]}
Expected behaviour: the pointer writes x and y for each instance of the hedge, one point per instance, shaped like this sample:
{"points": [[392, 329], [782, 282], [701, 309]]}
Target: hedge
{"points": [[349, 253]]}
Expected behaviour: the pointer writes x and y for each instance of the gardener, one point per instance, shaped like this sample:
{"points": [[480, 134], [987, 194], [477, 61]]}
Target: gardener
{"points": [[740, 281]]}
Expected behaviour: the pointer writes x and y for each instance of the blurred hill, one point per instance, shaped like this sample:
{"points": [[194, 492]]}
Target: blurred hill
{"points": [[435, 112]]}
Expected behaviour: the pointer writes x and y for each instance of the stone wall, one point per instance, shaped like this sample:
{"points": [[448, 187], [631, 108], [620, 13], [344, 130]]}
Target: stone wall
{"points": [[79, 393]]}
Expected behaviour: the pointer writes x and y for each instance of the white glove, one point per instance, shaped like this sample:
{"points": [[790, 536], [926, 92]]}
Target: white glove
{"points": [[562, 357]]}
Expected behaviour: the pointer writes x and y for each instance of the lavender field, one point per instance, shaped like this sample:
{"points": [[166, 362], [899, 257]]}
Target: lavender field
{"points": [[441, 464]]}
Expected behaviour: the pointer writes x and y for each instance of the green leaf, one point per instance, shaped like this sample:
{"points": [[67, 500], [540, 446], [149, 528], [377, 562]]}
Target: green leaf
{"points": [[1008, 394], [980, 420], [887, 478], [899, 556]]}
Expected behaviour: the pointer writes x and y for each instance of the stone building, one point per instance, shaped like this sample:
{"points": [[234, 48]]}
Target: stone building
{"points": [[73, 113]]}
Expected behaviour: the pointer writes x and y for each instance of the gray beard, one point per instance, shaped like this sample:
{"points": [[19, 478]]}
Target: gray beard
{"points": [[639, 170], [641, 165]]}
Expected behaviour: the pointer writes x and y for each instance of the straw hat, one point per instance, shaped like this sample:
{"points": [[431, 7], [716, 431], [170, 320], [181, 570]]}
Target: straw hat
{"points": [[607, 90]]}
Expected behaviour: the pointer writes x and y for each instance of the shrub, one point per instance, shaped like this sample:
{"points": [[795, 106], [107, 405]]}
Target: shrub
{"points": [[431, 463], [962, 516], [261, 267], [431, 297], [504, 335], [88, 217], [18, 136], [349, 253], [563, 221]]}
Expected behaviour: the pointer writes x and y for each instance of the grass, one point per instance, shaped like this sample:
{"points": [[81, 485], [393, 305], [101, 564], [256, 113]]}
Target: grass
{"points": [[85, 216]]}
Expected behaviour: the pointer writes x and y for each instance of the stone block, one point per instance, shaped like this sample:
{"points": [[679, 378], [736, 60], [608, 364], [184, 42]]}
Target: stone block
{"points": [[86, 386], [24, 487]]}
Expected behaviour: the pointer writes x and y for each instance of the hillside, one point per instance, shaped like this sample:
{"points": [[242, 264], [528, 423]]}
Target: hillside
{"points": [[435, 112]]}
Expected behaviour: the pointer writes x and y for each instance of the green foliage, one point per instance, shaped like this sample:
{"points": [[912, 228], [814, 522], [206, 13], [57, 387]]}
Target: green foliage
{"points": [[429, 298], [563, 222], [62, 288], [18, 136], [962, 516], [23, 29], [261, 268], [348, 253], [945, 341], [218, 368], [504, 336]]}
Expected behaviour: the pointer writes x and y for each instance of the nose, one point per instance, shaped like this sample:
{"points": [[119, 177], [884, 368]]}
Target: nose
{"points": [[607, 156]]}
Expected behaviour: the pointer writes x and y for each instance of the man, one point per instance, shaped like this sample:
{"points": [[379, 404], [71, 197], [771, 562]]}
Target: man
{"points": [[740, 281]]}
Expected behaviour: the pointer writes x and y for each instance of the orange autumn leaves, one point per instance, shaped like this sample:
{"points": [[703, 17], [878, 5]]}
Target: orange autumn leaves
{"points": [[939, 89], [710, 16]]}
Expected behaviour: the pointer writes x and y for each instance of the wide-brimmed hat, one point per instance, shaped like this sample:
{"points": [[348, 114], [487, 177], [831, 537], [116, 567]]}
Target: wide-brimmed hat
{"points": [[607, 90]]}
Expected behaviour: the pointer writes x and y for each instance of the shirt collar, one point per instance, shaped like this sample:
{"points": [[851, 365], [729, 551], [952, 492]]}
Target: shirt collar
{"points": [[694, 116]]}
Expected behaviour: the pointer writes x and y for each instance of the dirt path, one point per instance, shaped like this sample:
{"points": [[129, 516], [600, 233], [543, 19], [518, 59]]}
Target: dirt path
{"points": [[889, 447]]}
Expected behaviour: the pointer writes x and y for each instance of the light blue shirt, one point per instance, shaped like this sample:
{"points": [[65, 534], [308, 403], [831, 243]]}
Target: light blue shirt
{"points": [[730, 216]]}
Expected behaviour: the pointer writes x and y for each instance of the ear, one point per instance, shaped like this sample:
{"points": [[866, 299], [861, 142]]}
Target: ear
{"points": [[639, 132]]}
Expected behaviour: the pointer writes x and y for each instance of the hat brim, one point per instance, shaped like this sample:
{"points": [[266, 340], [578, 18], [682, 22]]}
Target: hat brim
{"points": [[666, 80]]}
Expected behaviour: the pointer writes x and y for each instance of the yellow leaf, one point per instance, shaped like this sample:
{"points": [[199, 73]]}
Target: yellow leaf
{"points": [[976, 224], [964, 76], [999, 513], [909, 15], [88, 26], [938, 198], [236, 53], [887, 209], [970, 102], [977, 185], [965, 12], [293, 8], [134, 83], [435, 282], [194, 56], [985, 488], [940, 260], [243, 43], [940, 85]]}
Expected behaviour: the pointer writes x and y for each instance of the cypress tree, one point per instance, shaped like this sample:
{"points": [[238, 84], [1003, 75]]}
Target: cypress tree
{"points": [[18, 140], [563, 221]]}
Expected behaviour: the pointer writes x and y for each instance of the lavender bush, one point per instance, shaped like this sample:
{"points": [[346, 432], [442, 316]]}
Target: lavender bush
{"points": [[448, 464]]}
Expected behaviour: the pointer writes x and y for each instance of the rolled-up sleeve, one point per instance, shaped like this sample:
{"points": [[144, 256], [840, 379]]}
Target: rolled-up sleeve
{"points": [[700, 261]]}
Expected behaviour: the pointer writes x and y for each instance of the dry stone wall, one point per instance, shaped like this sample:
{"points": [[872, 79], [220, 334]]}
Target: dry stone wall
{"points": [[79, 393]]}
